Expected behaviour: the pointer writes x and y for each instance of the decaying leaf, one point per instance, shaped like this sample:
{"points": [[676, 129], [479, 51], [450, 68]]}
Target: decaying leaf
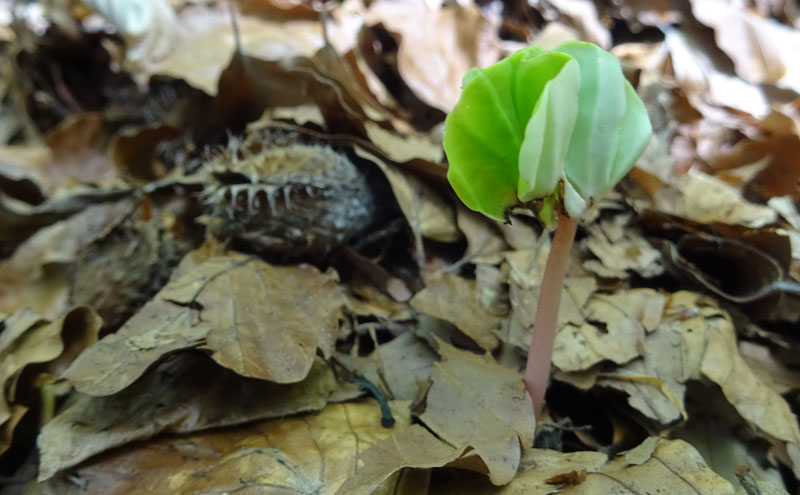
{"points": [[313, 453], [455, 299], [414, 447], [615, 329], [438, 45], [427, 213], [25, 339], [258, 320], [620, 249], [494, 410], [185, 394], [401, 368], [704, 198]]}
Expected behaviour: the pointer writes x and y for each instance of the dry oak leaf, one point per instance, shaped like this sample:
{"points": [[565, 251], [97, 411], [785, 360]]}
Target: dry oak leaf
{"points": [[657, 466], [302, 454], [456, 299], [258, 320], [186, 393]]}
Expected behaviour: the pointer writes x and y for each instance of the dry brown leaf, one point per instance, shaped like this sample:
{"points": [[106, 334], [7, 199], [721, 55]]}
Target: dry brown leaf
{"points": [[619, 249], [455, 299], [437, 45], [207, 44], [78, 146], [701, 197], [35, 274], [758, 404], [400, 148], [427, 213], [526, 268], [414, 447], [185, 394], [258, 320], [400, 368], [28, 339], [615, 329], [762, 49], [674, 467], [768, 368], [697, 71], [485, 244], [474, 402], [582, 14], [313, 453]]}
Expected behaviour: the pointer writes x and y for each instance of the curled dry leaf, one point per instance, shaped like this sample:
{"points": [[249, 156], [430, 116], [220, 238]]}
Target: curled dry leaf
{"points": [[615, 328], [313, 453], [427, 213], [28, 339], [485, 243], [258, 320], [619, 249], [697, 68], [455, 299], [35, 274], [438, 45], [704, 198], [762, 49], [182, 395]]}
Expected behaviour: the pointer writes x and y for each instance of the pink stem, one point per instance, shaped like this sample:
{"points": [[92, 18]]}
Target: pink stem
{"points": [[537, 369]]}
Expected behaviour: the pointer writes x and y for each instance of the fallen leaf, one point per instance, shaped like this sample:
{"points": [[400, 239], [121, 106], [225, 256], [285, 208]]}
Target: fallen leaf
{"points": [[455, 299], [28, 339], [185, 394], [761, 406], [614, 330], [427, 213], [313, 453], [477, 403], [414, 447], [582, 14], [697, 70], [437, 45], [703, 198], [401, 368], [78, 146], [674, 467], [258, 320], [620, 249], [207, 44], [763, 50], [485, 243]]}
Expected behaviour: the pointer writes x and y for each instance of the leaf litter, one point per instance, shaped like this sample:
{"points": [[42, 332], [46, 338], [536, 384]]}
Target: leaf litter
{"points": [[158, 337]]}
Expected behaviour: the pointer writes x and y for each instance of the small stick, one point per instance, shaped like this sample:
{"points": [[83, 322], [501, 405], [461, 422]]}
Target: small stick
{"points": [[540, 354]]}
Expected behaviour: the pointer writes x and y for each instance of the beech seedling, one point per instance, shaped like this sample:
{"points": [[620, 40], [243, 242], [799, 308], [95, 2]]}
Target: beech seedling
{"points": [[552, 131]]}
